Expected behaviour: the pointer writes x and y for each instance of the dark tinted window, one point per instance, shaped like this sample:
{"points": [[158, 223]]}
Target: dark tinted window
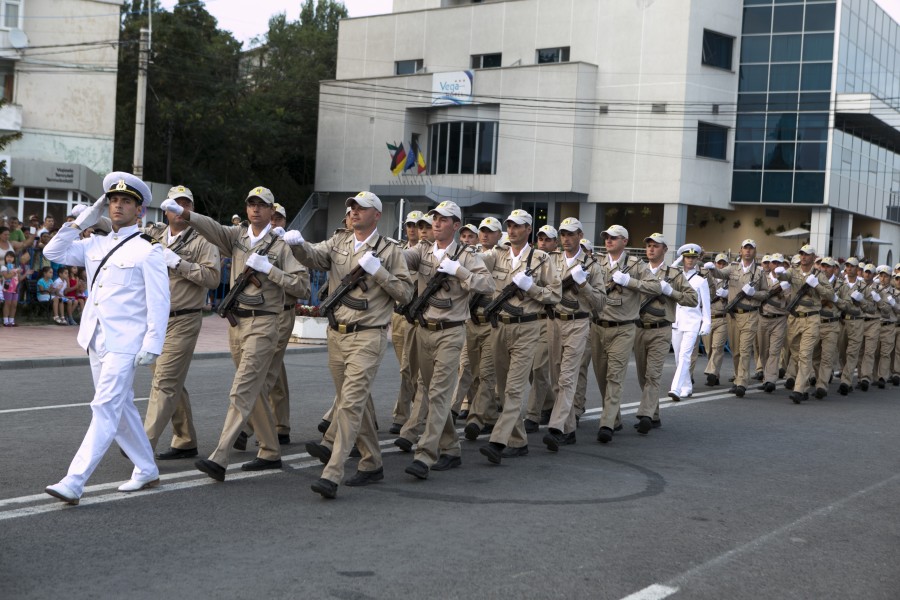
{"points": [[813, 127], [748, 156], [780, 157], [753, 78], [486, 139], [454, 149], [717, 49], [757, 20], [818, 46], [811, 157], [745, 187], [750, 128], [788, 19], [755, 49], [751, 102], [816, 76], [786, 48], [784, 78], [777, 187], [815, 101], [820, 17], [712, 140], [781, 127], [783, 101], [809, 188]]}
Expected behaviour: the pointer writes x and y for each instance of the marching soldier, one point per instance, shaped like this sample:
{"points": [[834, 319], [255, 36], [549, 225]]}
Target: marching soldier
{"points": [[654, 327], [194, 269], [871, 327], [689, 323], [356, 337], [540, 398], [886, 303], [440, 336], [718, 335], [767, 267], [852, 303], [773, 324], [895, 364], [580, 401], [826, 351], [253, 342], [583, 292], [613, 329]]}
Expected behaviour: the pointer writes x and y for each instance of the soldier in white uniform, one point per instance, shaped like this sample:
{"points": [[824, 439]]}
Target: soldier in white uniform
{"points": [[690, 321], [123, 326]]}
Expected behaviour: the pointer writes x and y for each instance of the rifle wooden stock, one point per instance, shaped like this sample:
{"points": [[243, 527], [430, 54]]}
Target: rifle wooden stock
{"points": [[416, 310], [247, 276], [509, 290]]}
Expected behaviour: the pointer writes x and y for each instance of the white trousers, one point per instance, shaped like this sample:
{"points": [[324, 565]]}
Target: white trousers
{"points": [[114, 418], [683, 344]]}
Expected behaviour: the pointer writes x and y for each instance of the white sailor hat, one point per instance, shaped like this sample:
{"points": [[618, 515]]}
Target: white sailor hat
{"points": [[119, 182], [690, 250]]}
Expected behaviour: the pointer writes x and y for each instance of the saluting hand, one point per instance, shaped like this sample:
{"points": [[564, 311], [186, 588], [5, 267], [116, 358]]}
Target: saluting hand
{"points": [[171, 206], [293, 238]]}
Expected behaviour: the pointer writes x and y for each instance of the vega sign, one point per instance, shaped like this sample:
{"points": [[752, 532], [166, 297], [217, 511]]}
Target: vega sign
{"points": [[452, 88]]}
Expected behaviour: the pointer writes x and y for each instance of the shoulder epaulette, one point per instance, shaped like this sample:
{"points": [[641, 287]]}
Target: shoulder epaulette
{"points": [[392, 240], [146, 237]]}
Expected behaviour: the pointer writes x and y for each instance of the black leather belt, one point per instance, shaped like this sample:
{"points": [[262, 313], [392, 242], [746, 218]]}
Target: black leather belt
{"points": [[803, 315], [288, 307], [744, 311], [571, 317], [887, 322], [542, 316], [611, 323], [480, 320], [353, 327], [507, 320], [870, 319], [442, 325], [762, 314], [722, 316], [850, 318], [658, 325], [244, 313], [184, 311], [829, 319]]}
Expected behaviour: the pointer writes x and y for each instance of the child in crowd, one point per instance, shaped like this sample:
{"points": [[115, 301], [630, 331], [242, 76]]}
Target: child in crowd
{"points": [[44, 285], [9, 273], [71, 297], [58, 293]]}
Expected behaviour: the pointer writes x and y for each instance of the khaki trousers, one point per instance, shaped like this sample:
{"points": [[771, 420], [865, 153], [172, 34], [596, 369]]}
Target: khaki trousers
{"points": [[772, 333], [169, 399], [541, 396], [353, 359], [895, 369], [715, 346], [803, 335], [885, 349], [853, 336], [467, 386], [741, 335], [581, 386], [485, 406], [439, 353], [610, 349], [275, 391], [567, 342], [253, 343], [871, 332], [403, 337], [826, 352], [514, 345], [651, 347]]}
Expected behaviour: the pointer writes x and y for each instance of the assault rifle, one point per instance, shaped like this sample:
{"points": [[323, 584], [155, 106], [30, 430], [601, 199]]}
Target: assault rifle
{"points": [[568, 283], [501, 301], [804, 289], [352, 280], [611, 287], [229, 303], [645, 305], [416, 310]]}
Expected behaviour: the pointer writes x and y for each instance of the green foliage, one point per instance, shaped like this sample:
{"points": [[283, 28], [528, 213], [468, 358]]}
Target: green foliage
{"points": [[5, 140]]}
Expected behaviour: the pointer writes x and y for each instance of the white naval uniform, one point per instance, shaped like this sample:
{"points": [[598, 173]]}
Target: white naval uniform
{"points": [[125, 314], [689, 320]]}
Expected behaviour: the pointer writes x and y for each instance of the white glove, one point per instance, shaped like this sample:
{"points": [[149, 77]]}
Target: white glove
{"points": [[677, 261], [748, 289], [171, 206], [705, 329], [145, 358], [523, 281], [876, 296], [812, 281], [709, 265], [78, 209], [579, 275], [90, 216], [722, 292], [260, 263], [171, 258], [785, 285], [450, 267], [621, 278], [293, 238], [666, 288], [778, 270], [856, 295], [835, 299], [279, 231], [891, 301], [370, 263]]}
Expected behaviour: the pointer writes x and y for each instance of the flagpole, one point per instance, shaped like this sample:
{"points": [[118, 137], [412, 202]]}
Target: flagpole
{"points": [[400, 221]]}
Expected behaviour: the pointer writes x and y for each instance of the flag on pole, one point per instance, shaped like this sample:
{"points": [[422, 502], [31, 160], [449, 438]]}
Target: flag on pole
{"points": [[398, 158]]}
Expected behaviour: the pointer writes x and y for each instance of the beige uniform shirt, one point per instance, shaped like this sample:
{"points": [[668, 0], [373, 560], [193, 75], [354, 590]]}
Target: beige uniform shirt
{"points": [[547, 288], [813, 297], [390, 283], [716, 304], [884, 307], [847, 304], [197, 273], [682, 293], [624, 304], [587, 297], [738, 277], [777, 304], [472, 277], [287, 275]]}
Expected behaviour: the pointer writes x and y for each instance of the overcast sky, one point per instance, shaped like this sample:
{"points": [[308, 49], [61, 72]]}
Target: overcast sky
{"points": [[234, 16]]}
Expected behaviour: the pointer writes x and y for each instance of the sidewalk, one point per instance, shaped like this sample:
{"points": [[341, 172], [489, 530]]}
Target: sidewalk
{"points": [[32, 346]]}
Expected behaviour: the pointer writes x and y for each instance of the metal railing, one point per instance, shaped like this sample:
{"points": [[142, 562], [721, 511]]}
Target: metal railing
{"points": [[315, 202]]}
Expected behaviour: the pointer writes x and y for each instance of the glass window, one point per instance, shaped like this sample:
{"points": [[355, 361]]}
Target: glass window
{"points": [[717, 49], [751, 102], [786, 48], [787, 19], [433, 162], [815, 101], [755, 49], [35, 193], [58, 195], [468, 148], [753, 78], [463, 147], [442, 150], [745, 187], [748, 156], [486, 61], [11, 13], [780, 157], [812, 127], [487, 143], [757, 20], [751, 2], [784, 78], [552, 55], [820, 17], [453, 147], [750, 128], [816, 76], [783, 101], [818, 46], [712, 140], [781, 127], [811, 157], [777, 187], [809, 188], [407, 67]]}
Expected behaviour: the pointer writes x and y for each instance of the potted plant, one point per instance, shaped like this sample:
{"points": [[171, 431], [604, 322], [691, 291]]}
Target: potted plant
{"points": [[309, 326]]}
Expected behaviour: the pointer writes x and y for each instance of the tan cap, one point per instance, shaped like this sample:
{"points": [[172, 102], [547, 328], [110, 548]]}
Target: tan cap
{"points": [[520, 217], [807, 249], [447, 209], [779, 258], [795, 259], [656, 237], [883, 269], [365, 200], [852, 261], [748, 242], [897, 267], [869, 267], [264, 194], [425, 219], [490, 223], [767, 258], [828, 261], [549, 231], [471, 227], [720, 257], [412, 217], [587, 244], [571, 224], [233, 217], [280, 210], [615, 231], [179, 191], [504, 239]]}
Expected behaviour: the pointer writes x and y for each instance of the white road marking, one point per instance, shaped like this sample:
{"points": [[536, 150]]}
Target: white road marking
{"points": [[31, 408], [653, 592]]}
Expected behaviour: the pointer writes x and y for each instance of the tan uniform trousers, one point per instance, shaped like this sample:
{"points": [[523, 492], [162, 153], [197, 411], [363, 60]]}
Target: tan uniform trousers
{"points": [[169, 399], [513, 349], [651, 347], [826, 351], [803, 336], [484, 407], [353, 359], [772, 333], [885, 349], [852, 337], [715, 345], [741, 335], [541, 398], [895, 369], [868, 352], [610, 350], [253, 344], [581, 387], [467, 386], [439, 353], [567, 342], [275, 391], [403, 338], [415, 423]]}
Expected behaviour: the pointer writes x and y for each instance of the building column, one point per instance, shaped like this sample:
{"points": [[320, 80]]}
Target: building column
{"points": [[820, 230], [674, 226], [841, 240], [593, 219]]}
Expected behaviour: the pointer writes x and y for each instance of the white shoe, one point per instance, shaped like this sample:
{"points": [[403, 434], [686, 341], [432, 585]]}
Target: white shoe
{"points": [[63, 492], [134, 485]]}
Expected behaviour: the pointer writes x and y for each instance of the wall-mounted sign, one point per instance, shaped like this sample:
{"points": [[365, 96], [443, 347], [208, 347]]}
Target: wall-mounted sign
{"points": [[452, 88]]}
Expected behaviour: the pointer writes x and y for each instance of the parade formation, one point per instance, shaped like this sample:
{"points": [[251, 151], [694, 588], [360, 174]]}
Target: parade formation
{"points": [[492, 333]]}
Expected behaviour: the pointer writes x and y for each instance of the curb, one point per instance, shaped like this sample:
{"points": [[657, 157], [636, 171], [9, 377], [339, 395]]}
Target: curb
{"points": [[72, 361]]}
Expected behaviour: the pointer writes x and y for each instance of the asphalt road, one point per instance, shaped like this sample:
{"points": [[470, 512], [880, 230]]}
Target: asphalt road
{"points": [[732, 498]]}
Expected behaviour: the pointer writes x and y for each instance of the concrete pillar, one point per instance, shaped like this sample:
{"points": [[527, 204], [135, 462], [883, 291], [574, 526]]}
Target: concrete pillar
{"points": [[820, 230], [674, 226], [593, 218], [841, 241]]}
